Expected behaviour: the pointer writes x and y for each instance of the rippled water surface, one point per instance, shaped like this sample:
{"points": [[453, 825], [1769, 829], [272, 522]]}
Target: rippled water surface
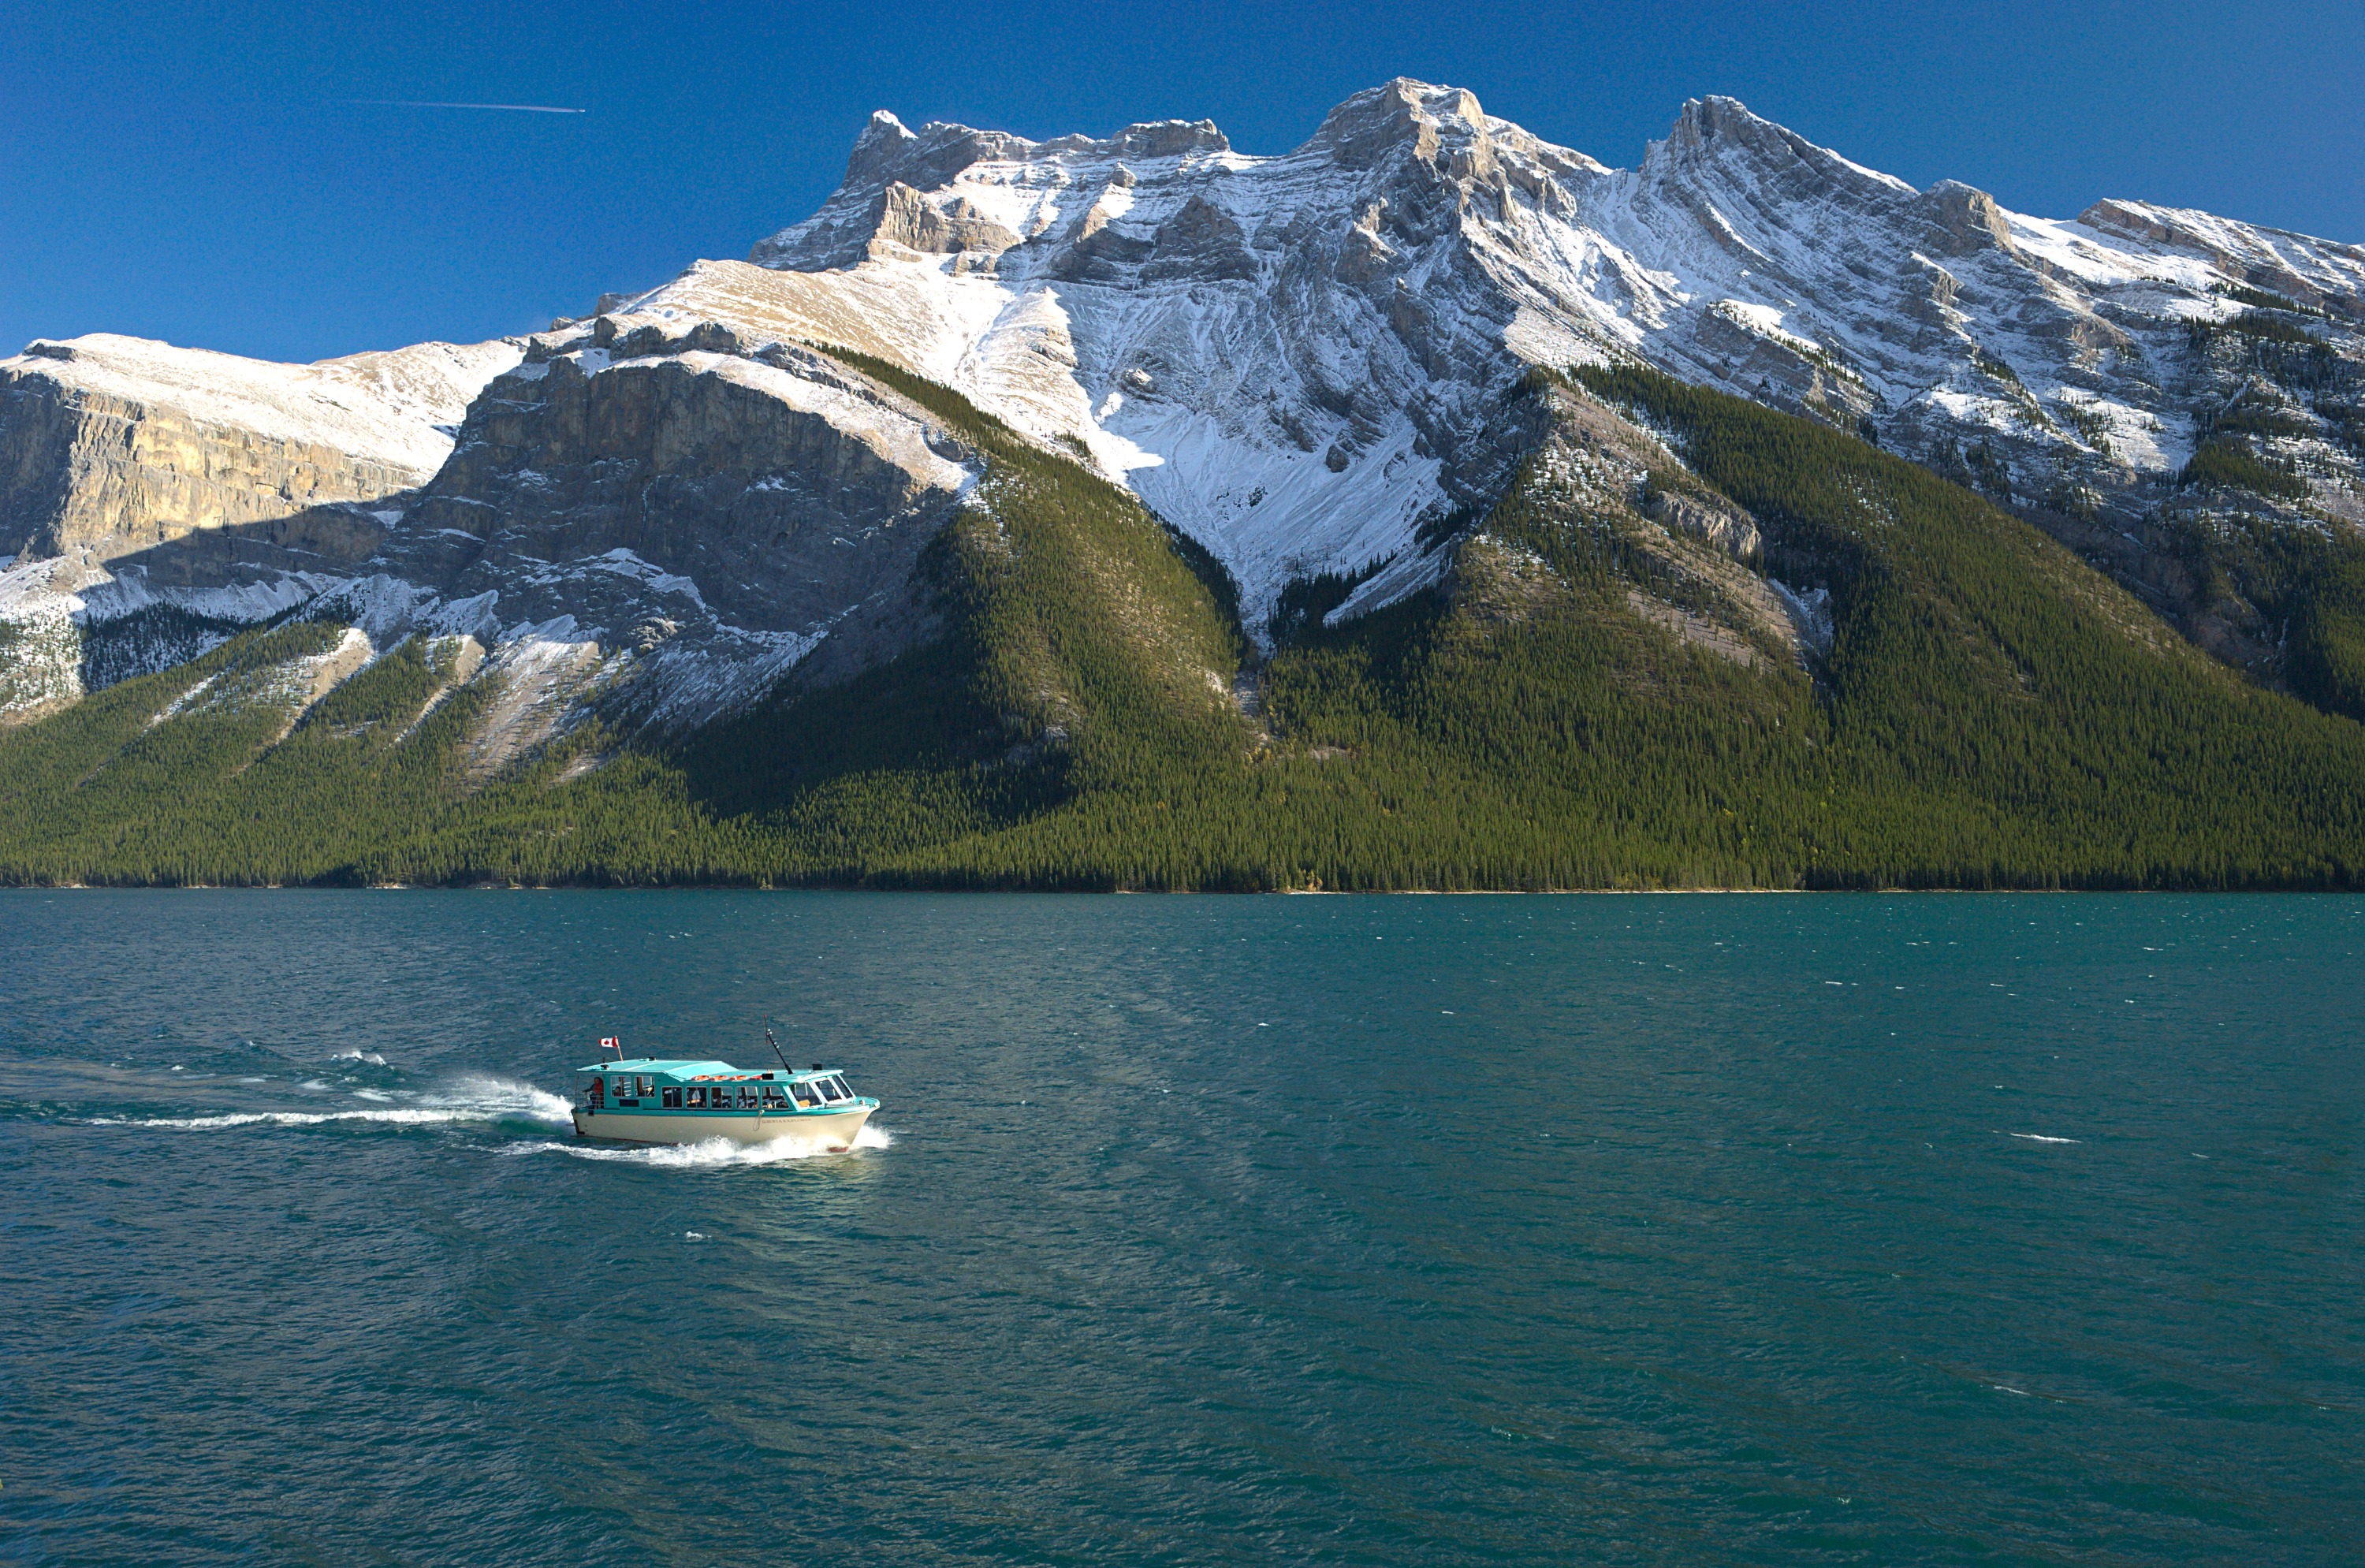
{"points": [[1408, 1230]]}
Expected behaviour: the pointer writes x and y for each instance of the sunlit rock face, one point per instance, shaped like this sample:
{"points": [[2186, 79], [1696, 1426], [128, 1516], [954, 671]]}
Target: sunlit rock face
{"points": [[706, 513], [664, 522], [110, 445]]}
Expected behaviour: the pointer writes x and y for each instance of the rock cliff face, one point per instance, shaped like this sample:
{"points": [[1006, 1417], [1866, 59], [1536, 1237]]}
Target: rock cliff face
{"points": [[666, 523], [688, 518], [110, 445]]}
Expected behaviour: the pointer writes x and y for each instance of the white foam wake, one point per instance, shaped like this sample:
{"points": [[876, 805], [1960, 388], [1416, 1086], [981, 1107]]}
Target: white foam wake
{"points": [[2040, 1138], [501, 1097], [711, 1154], [474, 1099], [401, 1117]]}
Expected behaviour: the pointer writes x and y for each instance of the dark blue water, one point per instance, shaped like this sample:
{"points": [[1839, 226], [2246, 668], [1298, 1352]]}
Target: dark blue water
{"points": [[1408, 1230]]}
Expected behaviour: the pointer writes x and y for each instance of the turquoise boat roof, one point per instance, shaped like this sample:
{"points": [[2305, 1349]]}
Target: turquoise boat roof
{"points": [[685, 1071]]}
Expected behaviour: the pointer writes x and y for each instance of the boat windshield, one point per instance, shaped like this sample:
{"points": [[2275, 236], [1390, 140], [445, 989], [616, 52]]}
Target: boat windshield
{"points": [[836, 1088]]}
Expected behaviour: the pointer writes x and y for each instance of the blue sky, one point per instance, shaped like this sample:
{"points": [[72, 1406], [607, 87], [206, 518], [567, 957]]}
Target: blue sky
{"points": [[200, 172]]}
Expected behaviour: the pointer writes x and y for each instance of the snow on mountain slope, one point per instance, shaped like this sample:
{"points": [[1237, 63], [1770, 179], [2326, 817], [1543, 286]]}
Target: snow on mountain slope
{"points": [[1135, 295], [671, 522], [1300, 360], [2167, 241], [226, 489], [397, 406], [1293, 357]]}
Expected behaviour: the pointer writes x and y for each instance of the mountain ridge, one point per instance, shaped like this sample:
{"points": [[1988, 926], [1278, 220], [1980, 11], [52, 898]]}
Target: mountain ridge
{"points": [[1364, 391], [1587, 702]]}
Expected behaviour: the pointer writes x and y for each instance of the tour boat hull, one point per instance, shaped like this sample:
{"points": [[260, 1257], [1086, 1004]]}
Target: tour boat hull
{"points": [[829, 1132]]}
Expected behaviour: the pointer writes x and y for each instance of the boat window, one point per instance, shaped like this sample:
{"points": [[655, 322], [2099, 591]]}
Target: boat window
{"points": [[621, 1086], [774, 1100], [746, 1097], [672, 1100], [697, 1099], [806, 1096], [648, 1086], [842, 1091]]}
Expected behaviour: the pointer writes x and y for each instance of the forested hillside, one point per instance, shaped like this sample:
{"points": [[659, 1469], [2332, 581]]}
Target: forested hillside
{"points": [[1573, 706]]}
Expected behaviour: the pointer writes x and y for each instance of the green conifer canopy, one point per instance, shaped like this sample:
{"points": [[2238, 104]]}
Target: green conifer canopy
{"points": [[1991, 712]]}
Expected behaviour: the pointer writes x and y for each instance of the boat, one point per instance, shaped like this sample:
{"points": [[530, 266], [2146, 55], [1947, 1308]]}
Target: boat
{"points": [[664, 1100]]}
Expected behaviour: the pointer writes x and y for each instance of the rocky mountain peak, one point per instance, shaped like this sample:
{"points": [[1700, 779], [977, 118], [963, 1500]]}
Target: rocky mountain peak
{"points": [[1415, 116], [1720, 128], [1719, 141], [1294, 358], [934, 156], [888, 152], [1716, 118], [879, 151], [898, 192], [1150, 139], [1967, 218]]}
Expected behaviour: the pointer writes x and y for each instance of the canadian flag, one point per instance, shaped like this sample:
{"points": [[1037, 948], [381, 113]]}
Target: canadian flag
{"points": [[612, 1044]]}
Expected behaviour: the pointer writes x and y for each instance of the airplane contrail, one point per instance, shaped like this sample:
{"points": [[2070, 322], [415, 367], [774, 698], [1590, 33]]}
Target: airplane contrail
{"points": [[414, 104]]}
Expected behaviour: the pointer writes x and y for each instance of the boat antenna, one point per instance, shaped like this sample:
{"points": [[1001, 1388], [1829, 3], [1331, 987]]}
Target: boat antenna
{"points": [[776, 1046]]}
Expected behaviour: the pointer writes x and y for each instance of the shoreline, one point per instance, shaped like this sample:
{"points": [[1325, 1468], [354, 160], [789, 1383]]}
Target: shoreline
{"points": [[10, 887]]}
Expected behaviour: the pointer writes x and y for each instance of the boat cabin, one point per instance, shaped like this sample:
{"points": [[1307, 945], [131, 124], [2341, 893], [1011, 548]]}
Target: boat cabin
{"points": [[649, 1084]]}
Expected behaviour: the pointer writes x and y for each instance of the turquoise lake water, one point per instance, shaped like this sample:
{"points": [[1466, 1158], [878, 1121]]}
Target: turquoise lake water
{"points": [[1415, 1230]]}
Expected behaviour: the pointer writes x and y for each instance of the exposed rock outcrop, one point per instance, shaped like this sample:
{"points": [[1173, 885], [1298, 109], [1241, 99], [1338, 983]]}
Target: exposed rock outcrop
{"points": [[703, 516], [656, 520], [110, 445]]}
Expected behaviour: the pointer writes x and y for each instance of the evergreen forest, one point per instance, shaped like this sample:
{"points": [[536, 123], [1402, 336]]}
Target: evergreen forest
{"points": [[1989, 712]]}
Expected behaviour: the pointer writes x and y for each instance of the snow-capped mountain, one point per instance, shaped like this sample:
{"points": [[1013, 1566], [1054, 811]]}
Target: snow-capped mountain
{"points": [[1299, 360], [1296, 358]]}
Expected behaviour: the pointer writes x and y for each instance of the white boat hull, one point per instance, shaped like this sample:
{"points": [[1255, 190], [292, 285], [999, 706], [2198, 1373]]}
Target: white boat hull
{"points": [[830, 1132]]}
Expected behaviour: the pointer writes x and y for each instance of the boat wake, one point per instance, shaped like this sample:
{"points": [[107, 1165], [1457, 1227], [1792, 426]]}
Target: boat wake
{"points": [[711, 1154], [475, 1099]]}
